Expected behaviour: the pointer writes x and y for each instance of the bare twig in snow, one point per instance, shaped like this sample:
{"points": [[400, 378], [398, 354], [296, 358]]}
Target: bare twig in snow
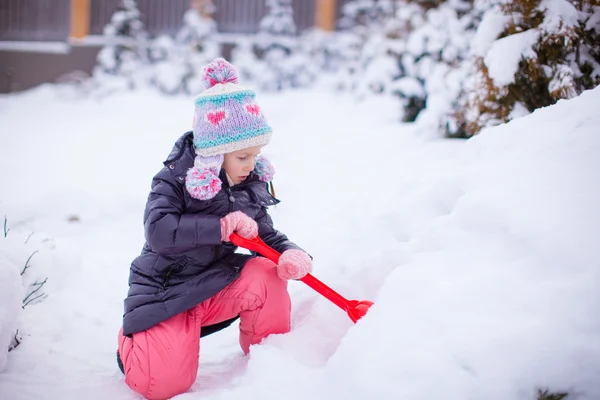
{"points": [[28, 237], [27, 262], [5, 230], [15, 342], [39, 285]]}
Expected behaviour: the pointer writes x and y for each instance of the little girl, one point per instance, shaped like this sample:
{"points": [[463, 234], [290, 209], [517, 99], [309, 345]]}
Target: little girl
{"points": [[188, 281]]}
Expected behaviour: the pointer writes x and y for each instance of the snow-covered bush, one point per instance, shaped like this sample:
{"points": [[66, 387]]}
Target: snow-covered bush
{"points": [[196, 37], [364, 15], [178, 62], [368, 43], [23, 277], [544, 50], [121, 63], [330, 51], [198, 26], [279, 62], [170, 70], [415, 50], [276, 58], [245, 59], [437, 55]]}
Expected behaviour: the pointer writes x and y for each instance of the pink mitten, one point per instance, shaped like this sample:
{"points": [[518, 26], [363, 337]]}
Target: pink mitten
{"points": [[238, 222], [294, 264]]}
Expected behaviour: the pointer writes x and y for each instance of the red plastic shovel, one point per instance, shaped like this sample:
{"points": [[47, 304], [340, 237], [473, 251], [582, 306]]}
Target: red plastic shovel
{"points": [[354, 308]]}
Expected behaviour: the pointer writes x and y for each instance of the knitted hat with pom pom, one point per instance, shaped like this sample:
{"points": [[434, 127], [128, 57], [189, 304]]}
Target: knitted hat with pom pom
{"points": [[226, 119]]}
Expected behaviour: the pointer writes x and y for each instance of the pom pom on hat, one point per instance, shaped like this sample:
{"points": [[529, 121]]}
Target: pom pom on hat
{"points": [[219, 71], [264, 169], [202, 180]]}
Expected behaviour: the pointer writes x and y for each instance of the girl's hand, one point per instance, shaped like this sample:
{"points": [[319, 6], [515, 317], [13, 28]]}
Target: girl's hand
{"points": [[294, 264], [238, 222]]}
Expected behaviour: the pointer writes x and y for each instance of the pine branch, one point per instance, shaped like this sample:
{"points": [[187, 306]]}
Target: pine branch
{"points": [[27, 299], [27, 262]]}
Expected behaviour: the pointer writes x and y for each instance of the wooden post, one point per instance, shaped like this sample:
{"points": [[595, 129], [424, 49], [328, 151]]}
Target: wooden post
{"points": [[326, 14], [80, 18]]}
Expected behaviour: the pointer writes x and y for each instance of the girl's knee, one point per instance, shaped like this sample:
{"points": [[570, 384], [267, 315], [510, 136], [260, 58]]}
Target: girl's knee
{"points": [[166, 387], [135, 362], [162, 362], [154, 377]]}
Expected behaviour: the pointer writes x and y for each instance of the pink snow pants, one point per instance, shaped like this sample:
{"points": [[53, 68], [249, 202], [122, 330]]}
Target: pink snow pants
{"points": [[162, 362]]}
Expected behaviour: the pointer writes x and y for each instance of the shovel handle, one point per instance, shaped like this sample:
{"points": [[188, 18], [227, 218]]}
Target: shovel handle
{"points": [[261, 247]]}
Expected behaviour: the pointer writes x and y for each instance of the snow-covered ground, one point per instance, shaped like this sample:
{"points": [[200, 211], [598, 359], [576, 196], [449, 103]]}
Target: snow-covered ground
{"points": [[481, 256]]}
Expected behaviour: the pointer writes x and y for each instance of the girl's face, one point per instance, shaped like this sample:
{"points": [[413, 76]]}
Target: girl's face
{"points": [[239, 164]]}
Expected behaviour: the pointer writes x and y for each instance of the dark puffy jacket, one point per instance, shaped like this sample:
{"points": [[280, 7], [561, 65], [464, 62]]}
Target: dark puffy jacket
{"points": [[183, 261]]}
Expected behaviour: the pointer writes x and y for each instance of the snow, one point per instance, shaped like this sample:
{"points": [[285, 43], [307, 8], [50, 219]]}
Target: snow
{"points": [[519, 110], [408, 87], [480, 255], [195, 27], [497, 293], [505, 54], [559, 15], [36, 47], [279, 19], [563, 82], [493, 23], [594, 20]]}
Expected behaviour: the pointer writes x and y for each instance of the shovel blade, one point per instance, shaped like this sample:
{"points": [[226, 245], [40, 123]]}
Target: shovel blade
{"points": [[358, 309]]}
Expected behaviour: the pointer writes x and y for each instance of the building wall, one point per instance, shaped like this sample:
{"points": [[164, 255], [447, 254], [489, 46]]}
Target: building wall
{"points": [[21, 70], [235, 16], [35, 20]]}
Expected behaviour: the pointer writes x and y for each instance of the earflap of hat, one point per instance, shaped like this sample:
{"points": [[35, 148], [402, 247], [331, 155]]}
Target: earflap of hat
{"points": [[264, 169], [202, 180]]}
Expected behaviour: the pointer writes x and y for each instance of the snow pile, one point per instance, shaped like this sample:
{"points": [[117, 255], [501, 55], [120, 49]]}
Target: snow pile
{"points": [[25, 262], [499, 294], [11, 294]]}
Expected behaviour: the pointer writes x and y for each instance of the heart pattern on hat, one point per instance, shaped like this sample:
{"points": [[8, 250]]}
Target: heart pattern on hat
{"points": [[253, 109], [216, 117]]}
